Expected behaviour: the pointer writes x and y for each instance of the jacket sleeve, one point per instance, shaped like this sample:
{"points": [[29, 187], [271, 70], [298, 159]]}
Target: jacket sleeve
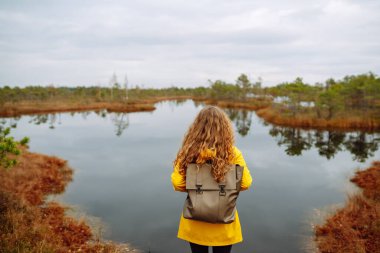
{"points": [[247, 178], [178, 180]]}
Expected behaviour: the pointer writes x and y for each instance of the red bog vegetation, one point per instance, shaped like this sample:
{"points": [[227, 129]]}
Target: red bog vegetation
{"points": [[355, 227], [28, 223]]}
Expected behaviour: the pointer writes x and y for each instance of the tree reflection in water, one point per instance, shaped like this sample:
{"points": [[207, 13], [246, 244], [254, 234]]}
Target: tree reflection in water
{"points": [[10, 122], [41, 119], [329, 143], [361, 145], [241, 118], [101, 113], [121, 121], [294, 139]]}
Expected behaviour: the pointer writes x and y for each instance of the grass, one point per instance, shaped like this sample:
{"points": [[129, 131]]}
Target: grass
{"points": [[355, 227], [28, 223]]}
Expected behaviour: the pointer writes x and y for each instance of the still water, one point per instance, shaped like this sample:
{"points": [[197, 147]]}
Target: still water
{"points": [[122, 165]]}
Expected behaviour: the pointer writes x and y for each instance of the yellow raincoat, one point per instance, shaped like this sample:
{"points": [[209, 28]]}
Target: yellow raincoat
{"points": [[204, 233]]}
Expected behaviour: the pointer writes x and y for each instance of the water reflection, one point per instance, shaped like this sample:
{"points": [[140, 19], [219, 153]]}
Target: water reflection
{"points": [[121, 122], [50, 119], [241, 118], [101, 113], [84, 114], [121, 143], [361, 145], [328, 143], [295, 140], [12, 123]]}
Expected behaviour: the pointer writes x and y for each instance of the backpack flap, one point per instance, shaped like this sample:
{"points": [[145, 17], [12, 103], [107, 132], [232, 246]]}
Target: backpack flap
{"points": [[208, 200], [200, 176]]}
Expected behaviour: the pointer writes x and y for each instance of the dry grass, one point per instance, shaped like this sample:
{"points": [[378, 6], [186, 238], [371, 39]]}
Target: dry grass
{"points": [[262, 107], [50, 106], [31, 107], [277, 117], [355, 227], [28, 223], [249, 104], [136, 105]]}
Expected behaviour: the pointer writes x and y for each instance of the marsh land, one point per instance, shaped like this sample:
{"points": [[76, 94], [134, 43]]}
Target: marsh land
{"points": [[320, 134]]}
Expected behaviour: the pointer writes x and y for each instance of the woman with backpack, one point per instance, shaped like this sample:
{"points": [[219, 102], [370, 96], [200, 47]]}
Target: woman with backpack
{"points": [[210, 142]]}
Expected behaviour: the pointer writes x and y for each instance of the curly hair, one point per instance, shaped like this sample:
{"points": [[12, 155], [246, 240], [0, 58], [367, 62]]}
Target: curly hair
{"points": [[211, 130]]}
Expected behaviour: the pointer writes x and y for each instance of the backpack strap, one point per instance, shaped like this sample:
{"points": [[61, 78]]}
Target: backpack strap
{"points": [[239, 176], [222, 191], [198, 181]]}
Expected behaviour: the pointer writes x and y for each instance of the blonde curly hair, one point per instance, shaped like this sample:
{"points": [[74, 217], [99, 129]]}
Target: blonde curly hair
{"points": [[209, 138]]}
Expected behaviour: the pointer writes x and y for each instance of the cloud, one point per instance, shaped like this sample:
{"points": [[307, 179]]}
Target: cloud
{"points": [[185, 43]]}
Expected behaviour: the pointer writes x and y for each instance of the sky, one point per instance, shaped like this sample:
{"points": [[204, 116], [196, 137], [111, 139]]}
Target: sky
{"points": [[185, 43]]}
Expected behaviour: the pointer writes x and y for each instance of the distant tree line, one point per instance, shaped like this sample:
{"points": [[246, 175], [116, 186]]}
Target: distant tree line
{"points": [[115, 92], [93, 93], [331, 98], [352, 93], [240, 90]]}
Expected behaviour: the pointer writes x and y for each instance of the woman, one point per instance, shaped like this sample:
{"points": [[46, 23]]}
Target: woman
{"points": [[209, 138]]}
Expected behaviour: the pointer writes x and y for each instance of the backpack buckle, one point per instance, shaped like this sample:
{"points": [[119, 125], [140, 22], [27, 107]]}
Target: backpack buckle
{"points": [[199, 189], [222, 192]]}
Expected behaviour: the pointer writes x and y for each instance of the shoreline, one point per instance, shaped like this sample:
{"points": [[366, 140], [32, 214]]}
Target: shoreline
{"points": [[265, 111], [42, 107], [31, 223], [30, 108], [356, 226], [262, 108], [300, 121]]}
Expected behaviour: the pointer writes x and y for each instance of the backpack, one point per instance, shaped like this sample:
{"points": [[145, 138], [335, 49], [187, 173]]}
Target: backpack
{"points": [[208, 200]]}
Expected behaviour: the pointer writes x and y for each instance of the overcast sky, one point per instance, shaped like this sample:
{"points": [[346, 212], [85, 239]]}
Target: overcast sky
{"points": [[185, 43]]}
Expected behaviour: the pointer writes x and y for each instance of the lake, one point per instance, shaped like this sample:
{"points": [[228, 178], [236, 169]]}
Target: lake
{"points": [[122, 165]]}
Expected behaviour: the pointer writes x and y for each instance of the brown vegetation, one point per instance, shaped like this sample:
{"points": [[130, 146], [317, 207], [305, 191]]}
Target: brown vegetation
{"points": [[263, 107], [306, 120], [249, 104], [28, 223], [356, 227], [13, 109], [41, 107], [32, 107]]}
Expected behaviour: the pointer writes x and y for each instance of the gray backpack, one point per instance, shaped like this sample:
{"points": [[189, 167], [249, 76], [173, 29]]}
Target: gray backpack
{"points": [[208, 200]]}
